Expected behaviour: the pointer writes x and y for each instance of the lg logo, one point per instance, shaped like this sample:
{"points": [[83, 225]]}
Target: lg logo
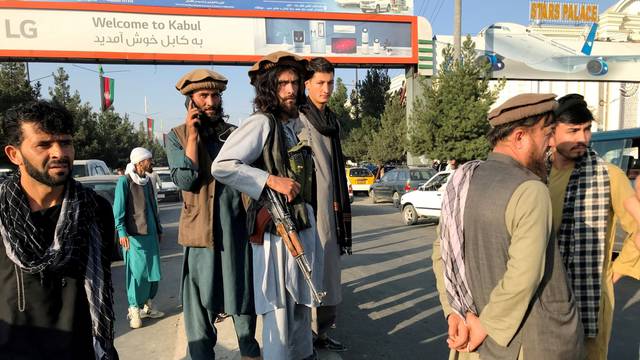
{"points": [[25, 29]]}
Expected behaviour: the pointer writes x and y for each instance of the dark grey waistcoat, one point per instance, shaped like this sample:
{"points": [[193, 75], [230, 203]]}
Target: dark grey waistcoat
{"points": [[135, 210], [551, 328]]}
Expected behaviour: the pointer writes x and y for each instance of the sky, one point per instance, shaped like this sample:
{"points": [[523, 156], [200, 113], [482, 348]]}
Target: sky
{"points": [[166, 105]]}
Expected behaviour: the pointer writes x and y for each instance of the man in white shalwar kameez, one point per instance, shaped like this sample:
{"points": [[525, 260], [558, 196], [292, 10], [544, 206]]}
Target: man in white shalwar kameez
{"points": [[260, 154]]}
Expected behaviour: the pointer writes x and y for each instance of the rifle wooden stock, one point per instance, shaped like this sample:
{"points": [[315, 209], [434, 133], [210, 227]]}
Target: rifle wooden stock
{"points": [[286, 228]]}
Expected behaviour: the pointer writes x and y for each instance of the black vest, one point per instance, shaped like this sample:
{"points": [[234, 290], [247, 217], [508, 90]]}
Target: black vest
{"points": [[275, 161]]}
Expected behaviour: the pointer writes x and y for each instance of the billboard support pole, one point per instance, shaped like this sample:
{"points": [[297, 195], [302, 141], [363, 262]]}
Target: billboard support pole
{"points": [[414, 90], [457, 28]]}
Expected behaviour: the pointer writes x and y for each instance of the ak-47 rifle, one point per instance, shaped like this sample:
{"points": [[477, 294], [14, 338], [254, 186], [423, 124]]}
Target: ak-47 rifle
{"points": [[287, 230]]}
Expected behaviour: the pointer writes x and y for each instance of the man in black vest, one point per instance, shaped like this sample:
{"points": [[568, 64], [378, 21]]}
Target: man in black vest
{"points": [[265, 152], [498, 265], [55, 275]]}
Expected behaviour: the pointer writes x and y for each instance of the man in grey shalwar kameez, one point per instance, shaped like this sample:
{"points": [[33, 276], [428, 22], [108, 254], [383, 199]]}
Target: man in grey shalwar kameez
{"points": [[333, 210], [258, 155]]}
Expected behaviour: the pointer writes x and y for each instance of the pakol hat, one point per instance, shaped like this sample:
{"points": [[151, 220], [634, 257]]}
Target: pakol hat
{"points": [[521, 107], [279, 58], [201, 79], [139, 154]]}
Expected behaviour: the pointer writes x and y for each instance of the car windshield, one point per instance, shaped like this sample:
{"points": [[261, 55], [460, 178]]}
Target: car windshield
{"points": [[359, 172], [165, 177], [436, 182], [79, 170], [421, 174], [104, 189]]}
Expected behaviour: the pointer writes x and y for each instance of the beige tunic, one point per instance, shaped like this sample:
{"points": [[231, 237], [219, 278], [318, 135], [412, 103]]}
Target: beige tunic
{"points": [[510, 299], [627, 263]]}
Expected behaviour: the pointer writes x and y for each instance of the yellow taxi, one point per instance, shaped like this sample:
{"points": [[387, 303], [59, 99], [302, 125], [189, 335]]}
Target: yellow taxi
{"points": [[360, 178]]}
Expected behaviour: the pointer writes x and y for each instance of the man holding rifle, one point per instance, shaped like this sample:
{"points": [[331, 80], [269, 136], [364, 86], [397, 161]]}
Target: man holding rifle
{"points": [[264, 159]]}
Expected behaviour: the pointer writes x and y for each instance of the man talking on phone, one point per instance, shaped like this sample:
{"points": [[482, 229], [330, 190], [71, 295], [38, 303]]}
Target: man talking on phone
{"points": [[217, 274]]}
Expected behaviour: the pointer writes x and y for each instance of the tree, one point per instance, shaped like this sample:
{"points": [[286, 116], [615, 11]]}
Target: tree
{"points": [[355, 109], [373, 92], [153, 145], [15, 88], [450, 120], [389, 142], [356, 145], [337, 105]]}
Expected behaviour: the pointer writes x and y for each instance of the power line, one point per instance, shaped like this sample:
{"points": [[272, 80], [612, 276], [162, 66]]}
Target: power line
{"points": [[438, 12]]}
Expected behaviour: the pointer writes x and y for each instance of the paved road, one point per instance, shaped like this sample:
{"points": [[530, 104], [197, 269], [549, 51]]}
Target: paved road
{"points": [[390, 308]]}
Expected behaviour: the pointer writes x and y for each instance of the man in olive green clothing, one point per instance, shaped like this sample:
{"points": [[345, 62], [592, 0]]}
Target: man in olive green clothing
{"points": [[217, 273], [576, 172], [501, 281]]}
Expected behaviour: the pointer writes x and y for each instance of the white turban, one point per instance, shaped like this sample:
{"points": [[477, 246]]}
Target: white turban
{"points": [[139, 154]]}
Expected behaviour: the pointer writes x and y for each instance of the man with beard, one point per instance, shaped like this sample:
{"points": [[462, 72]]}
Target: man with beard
{"points": [[265, 152], [55, 276], [589, 197], [333, 210], [501, 281], [136, 216], [217, 256]]}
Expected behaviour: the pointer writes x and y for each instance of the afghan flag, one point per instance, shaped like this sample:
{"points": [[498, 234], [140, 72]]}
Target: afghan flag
{"points": [[150, 127], [107, 89]]}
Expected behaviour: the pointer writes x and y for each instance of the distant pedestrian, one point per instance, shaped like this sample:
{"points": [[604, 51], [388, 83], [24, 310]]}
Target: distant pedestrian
{"points": [[452, 164], [55, 275], [136, 217]]}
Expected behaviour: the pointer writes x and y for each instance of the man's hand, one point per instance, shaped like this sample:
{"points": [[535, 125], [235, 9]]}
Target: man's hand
{"points": [[458, 332], [615, 277], [124, 242], [284, 186], [191, 120], [477, 333]]}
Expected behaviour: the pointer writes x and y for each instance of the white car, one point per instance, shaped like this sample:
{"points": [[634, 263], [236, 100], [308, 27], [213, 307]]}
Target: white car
{"points": [[348, 2], [426, 201], [375, 6]]}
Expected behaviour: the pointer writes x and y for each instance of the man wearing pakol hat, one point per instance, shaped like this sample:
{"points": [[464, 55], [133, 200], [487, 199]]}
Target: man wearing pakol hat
{"points": [[216, 274], [502, 284], [136, 217], [589, 197], [265, 152]]}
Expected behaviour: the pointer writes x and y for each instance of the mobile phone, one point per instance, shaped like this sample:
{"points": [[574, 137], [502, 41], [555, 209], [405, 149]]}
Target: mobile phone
{"points": [[189, 104]]}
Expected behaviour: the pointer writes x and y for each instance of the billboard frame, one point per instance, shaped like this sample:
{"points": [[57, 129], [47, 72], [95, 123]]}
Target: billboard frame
{"points": [[176, 58]]}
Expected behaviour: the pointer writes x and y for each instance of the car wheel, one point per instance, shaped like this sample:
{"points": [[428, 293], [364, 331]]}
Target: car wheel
{"points": [[409, 215], [396, 199], [374, 198]]}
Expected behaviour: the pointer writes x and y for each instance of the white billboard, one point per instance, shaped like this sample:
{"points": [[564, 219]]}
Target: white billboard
{"points": [[205, 36]]}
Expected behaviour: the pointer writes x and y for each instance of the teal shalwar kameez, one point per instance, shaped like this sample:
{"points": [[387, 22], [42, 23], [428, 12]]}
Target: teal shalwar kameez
{"points": [[217, 279], [142, 260]]}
